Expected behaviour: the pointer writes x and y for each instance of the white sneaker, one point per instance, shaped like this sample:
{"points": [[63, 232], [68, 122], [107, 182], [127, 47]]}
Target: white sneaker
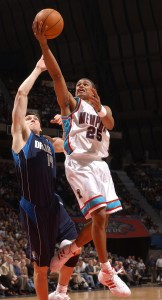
{"points": [[58, 296], [62, 256], [115, 284]]}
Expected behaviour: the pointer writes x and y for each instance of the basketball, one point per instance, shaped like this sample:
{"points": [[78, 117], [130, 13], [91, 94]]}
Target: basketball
{"points": [[53, 19]]}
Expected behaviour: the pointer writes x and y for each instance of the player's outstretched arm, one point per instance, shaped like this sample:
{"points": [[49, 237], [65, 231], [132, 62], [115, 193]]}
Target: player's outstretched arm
{"points": [[21, 99], [65, 99], [58, 143]]}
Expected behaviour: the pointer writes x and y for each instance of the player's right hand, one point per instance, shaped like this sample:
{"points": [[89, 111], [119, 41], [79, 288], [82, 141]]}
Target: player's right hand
{"points": [[56, 120]]}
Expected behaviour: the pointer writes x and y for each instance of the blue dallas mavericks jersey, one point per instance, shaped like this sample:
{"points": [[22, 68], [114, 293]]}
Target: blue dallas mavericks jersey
{"points": [[36, 170]]}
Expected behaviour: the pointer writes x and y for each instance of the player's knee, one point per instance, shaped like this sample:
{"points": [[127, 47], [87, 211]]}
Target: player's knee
{"points": [[72, 261], [99, 217], [40, 270]]}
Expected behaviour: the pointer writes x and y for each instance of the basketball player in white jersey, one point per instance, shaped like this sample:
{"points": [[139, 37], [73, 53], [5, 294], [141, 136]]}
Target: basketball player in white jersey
{"points": [[86, 123]]}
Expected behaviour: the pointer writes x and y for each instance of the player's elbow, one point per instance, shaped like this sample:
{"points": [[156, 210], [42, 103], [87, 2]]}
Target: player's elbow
{"points": [[21, 93]]}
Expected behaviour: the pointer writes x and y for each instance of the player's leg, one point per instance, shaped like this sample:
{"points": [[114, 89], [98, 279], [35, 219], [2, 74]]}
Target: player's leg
{"points": [[67, 233], [71, 248], [84, 236], [62, 286], [106, 276], [99, 221], [40, 282]]}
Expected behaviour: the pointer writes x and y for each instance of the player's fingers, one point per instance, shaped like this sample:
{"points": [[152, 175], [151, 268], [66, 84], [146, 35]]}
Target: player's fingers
{"points": [[96, 94], [57, 116], [34, 27], [40, 27], [53, 121]]}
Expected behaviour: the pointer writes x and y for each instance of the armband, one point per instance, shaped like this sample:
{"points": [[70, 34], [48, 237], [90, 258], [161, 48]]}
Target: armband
{"points": [[103, 112]]}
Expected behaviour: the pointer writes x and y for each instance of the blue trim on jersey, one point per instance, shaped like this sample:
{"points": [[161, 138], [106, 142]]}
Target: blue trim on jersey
{"points": [[66, 120], [92, 203], [67, 128], [16, 158], [114, 204], [26, 147], [29, 208]]}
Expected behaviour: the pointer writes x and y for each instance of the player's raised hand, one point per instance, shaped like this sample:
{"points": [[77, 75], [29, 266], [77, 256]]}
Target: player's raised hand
{"points": [[41, 64], [39, 31], [56, 120], [95, 100]]}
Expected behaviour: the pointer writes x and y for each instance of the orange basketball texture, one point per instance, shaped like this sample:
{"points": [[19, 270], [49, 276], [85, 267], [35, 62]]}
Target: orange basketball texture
{"points": [[53, 19]]}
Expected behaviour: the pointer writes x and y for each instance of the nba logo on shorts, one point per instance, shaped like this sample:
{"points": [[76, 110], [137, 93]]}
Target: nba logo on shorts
{"points": [[79, 193]]}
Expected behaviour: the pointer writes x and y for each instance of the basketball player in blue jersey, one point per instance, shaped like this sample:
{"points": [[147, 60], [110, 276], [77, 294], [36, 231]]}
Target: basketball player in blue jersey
{"points": [[86, 123], [43, 216]]}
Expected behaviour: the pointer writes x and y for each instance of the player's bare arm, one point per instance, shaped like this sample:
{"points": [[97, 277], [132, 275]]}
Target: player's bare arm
{"points": [[20, 131], [65, 99], [57, 143]]}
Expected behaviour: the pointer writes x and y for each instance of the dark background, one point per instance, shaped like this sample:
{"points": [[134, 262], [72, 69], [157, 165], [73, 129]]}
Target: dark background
{"points": [[116, 43]]}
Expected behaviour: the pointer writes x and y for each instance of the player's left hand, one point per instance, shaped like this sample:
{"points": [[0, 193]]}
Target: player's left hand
{"points": [[41, 64], [95, 100]]}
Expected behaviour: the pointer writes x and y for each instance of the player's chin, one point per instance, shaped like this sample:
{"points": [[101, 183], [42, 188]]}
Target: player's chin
{"points": [[34, 129], [81, 95]]}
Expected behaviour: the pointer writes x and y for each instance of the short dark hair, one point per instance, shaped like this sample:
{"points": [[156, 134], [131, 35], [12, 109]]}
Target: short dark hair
{"points": [[93, 84]]}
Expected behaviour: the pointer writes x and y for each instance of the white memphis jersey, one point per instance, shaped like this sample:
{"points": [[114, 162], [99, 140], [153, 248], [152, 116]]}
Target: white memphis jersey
{"points": [[85, 133]]}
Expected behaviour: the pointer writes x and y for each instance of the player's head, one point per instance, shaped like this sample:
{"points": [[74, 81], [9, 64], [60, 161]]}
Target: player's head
{"points": [[33, 121], [84, 88]]}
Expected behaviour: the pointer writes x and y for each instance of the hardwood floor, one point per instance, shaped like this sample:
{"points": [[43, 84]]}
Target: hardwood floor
{"points": [[138, 293]]}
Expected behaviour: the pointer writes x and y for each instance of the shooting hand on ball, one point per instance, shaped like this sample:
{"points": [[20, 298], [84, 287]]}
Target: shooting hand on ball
{"points": [[39, 31]]}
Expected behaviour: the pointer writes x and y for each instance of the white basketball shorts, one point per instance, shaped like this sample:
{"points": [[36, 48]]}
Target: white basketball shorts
{"points": [[92, 184]]}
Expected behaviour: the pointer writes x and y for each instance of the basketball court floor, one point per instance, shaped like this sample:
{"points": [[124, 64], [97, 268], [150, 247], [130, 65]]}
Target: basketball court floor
{"points": [[138, 293]]}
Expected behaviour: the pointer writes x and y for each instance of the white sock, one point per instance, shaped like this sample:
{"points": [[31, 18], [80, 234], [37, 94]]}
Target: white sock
{"points": [[61, 289], [106, 266]]}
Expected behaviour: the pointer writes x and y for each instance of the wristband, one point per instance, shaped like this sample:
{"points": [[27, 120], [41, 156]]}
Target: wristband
{"points": [[103, 112]]}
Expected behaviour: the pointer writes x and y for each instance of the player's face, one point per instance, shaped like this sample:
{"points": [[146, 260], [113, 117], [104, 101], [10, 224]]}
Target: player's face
{"points": [[84, 89], [33, 122]]}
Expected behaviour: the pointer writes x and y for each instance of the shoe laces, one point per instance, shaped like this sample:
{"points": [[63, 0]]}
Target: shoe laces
{"points": [[109, 280]]}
